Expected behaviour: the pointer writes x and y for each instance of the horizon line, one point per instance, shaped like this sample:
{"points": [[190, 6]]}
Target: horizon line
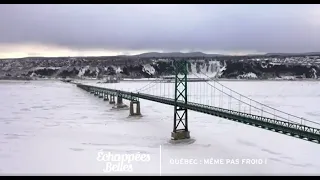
{"points": [[141, 54]]}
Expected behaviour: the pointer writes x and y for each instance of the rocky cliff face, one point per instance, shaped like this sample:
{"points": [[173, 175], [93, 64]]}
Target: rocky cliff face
{"points": [[223, 67]]}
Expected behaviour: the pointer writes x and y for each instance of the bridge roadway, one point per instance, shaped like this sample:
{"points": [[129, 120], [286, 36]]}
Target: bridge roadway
{"points": [[289, 128]]}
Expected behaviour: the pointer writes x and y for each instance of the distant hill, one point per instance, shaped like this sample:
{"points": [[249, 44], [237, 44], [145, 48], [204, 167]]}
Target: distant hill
{"points": [[179, 54], [176, 54], [294, 54], [201, 54]]}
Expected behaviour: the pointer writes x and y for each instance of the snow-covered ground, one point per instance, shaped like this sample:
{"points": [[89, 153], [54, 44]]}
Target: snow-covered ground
{"points": [[53, 127]]}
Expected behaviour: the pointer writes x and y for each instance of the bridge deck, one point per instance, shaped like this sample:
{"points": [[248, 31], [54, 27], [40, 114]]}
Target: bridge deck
{"points": [[284, 127]]}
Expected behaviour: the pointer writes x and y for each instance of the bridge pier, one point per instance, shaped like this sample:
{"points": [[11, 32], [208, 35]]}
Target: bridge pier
{"points": [[112, 99], [95, 93], [180, 134], [106, 97], [137, 110], [119, 104], [119, 100], [100, 94]]}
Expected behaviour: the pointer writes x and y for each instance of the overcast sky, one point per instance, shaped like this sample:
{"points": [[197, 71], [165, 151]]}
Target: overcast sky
{"points": [[50, 30]]}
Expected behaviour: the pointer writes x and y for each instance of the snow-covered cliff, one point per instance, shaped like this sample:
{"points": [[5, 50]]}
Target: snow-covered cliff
{"points": [[249, 68]]}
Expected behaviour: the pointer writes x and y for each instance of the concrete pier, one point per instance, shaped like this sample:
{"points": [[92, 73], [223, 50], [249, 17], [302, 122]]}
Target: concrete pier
{"points": [[119, 104], [135, 112], [180, 135], [100, 94], [119, 100], [112, 99], [106, 97], [96, 93]]}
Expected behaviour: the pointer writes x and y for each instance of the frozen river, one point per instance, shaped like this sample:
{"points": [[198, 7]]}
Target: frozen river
{"points": [[51, 127]]}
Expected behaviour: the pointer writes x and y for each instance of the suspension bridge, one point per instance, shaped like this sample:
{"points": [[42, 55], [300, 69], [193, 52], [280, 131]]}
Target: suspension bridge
{"points": [[209, 97]]}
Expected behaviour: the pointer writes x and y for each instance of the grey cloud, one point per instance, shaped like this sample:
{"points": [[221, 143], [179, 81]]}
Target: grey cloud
{"points": [[263, 28]]}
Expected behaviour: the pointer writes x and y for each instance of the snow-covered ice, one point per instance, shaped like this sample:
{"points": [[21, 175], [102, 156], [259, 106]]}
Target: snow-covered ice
{"points": [[51, 127]]}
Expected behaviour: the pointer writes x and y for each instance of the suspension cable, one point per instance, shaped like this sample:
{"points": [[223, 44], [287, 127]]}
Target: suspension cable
{"points": [[259, 102], [249, 104]]}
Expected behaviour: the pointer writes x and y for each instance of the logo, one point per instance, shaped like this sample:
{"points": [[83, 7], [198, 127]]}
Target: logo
{"points": [[120, 162]]}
